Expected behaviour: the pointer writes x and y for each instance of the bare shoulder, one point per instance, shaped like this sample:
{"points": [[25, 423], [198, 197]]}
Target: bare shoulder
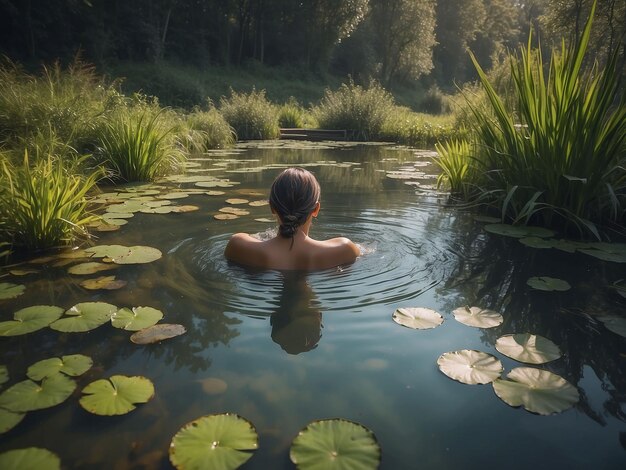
{"points": [[336, 251], [243, 248], [344, 243]]}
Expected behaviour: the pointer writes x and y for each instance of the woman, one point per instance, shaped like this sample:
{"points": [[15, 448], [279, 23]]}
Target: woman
{"points": [[294, 199]]}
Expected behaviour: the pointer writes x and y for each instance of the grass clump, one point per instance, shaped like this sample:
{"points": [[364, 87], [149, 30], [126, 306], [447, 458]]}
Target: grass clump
{"points": [[138, 144], [43, 205], [560, 161], [291, 114], [205, 130], [353, 107], [251, 115], [420, 130]]}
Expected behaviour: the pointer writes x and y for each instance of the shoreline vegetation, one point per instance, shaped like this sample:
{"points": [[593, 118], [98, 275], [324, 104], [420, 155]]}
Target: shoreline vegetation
{"points": [[533, 149]]}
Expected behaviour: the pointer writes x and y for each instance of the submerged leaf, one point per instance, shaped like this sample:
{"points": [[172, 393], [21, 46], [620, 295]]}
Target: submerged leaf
{"points": [[30, 319], [72, 365], [477, 317], [470, 367], [117, 395], [546, 283], [90, 267], [538, 391], [222, 441], [335, 444], [136, 319], [103, 282], [213, 386], [84, 317], [28, 395], [524, 347], [157, 333], [30, 458], [418, 318], [9, 290]]}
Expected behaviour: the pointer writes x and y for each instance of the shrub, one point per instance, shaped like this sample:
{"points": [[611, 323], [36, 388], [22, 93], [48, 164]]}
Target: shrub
{"points": [[44, 205], [435, 102], [407, 127], [251, 115], [352, 107], [206, 130], [291, 114]]}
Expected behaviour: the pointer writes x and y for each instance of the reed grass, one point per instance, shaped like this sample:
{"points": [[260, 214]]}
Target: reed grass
{"points": [[291, 114], [251, 115], [457, 171], [420, 130], [43, 205], [205, 130]]}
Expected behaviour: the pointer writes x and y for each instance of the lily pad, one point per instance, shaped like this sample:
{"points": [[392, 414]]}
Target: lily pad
{"points": [[615, 324], [28, 395], [470, 367], [85, 316], [222, 441], [546, 283], [418, 318], [117, 395], [113, 221], [157, 333], [72, 365], [103, 282], [538, 391], [525, 347], [236, 201], [223, 216], [265, 220], [477, 317], [30, 458], [23, 272], [606, 256], [90, 267], [30, 319], [136, 255], [106, 251], [260, 203], [335, 444], [518, 231], [136, 319], [184, 209], [9, 290], [536, 242], [234, 210], [9, 419]]}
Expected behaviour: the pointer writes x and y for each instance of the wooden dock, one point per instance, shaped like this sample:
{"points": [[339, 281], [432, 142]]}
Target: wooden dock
{"points": [[315, 134]]}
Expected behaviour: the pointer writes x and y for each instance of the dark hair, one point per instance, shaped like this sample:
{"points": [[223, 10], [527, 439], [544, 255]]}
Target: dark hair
{"points": [[293, 196]]}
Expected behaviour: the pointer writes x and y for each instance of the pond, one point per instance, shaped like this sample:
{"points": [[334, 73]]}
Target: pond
{"points": [[285, 349]]}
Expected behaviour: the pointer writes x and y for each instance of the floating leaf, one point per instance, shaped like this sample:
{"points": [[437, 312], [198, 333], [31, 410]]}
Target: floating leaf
{"points": [[223, 216], [222, 441], [112, 221], [174, 195], [117, 395], [546, 283], [103, 282], [107, 251], [30, 458], [9, 290], [335, 444], [538, 391], [214, 193], [137, 255], [606, 256], [107, 228], [90, 267], [23, 272], [234, 210], [536, 242], [236, 201], [9, 419], [477, 317], [265, 220], [213, 386], [84, 317], [157, 333], [30, 319], [4, 375], [470, 367], [72, 365], [615, 324], [418, 318], [518, 231], [28, 395], [184, 209], [263, 202], [616, 248], [524, 347], [136, 319]]}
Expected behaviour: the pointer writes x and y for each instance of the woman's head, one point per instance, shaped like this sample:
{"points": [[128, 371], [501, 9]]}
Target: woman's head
{"points": [[294, 196]]}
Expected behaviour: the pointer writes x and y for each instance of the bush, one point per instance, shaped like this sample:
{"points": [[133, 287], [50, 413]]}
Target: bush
{"points": [[291, 114], [44, 205], [206, 130], [354, 108], [251, 115], [420, 130], [435, 102]]}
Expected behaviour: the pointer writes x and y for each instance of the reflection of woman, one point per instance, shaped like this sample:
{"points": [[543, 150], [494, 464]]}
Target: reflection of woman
{"points": [[296, 323], [295, 199]]}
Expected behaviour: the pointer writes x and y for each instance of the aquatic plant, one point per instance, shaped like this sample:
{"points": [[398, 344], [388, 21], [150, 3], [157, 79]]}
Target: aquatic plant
{"points": [[355, 108], [206, 130], [251, 115], [421, 130], [44, 205], [291, 114], [560, 160], [137, 145], [457, 171]]}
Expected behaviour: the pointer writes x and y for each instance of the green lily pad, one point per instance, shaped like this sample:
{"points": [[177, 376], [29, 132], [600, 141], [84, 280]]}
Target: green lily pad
{"points": [[113, 221], [234, 210], [30, 458], [28, 395], [470, 367], [90, 267], [103, 282], [4, 375], [85, 316], [136, 319], [222, 216], [117, 395], [236, 200], [335, 444], [9, 419], [418, 318], [222, 441], [524, 347], [259, 203], [538, 391], [30, 319], [606, 256], [136, 255], [615, 324], [108, 251], [536, 242], [9, 290], [616, 248], [518, 231], [157, 333], [546, 283], [477, 317], [72, 365]]}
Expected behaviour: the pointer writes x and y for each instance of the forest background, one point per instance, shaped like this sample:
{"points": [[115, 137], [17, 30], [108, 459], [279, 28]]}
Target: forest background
{"points": [[185, 51]]}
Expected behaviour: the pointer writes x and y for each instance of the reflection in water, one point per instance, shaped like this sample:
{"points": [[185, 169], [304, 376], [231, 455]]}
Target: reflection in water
{"points": [[297, 322]]}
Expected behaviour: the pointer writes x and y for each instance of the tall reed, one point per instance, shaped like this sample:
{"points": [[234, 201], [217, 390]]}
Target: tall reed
{"points": [[251, 115], [205, 130]]}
